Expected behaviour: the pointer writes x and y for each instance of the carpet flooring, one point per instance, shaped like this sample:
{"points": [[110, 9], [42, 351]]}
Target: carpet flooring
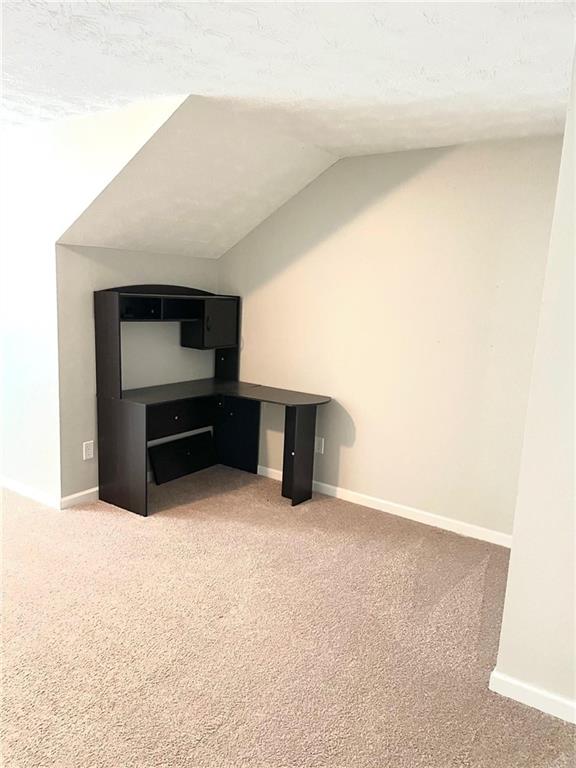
{"points": [[229, 629]]}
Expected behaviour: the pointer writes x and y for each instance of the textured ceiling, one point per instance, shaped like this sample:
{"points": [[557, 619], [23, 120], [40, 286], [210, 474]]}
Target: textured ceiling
{"points": [[353, 78], [205, 179]]}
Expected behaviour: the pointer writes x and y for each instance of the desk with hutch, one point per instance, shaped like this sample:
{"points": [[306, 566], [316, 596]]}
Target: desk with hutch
{"points": [[223, 412]]}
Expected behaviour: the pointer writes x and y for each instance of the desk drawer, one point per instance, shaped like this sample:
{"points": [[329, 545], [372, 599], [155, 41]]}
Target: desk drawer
{"points": [[180, 416], [181, 456]]}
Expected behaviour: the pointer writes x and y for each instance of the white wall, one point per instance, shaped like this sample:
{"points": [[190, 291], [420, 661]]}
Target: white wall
{"points": [[537, 660], [151, 354], [407, 286], [49, 175]]}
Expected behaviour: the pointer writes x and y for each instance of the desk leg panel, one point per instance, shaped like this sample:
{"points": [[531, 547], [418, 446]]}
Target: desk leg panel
{"points": [[298, 465], [237, 433], [122, 455]]}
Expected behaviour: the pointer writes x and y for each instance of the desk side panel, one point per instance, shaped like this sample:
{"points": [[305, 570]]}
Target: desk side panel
{"points": [[122, 459], [108, 349], [298, 464], [227, 360]]}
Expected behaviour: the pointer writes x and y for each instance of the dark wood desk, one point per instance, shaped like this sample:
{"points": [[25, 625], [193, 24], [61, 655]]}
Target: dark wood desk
{"points": [[230, 408], [188, 425]]}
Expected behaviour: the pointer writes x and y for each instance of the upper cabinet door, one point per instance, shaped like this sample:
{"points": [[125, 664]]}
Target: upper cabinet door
{"points": [[217, 327], [220, 323]]}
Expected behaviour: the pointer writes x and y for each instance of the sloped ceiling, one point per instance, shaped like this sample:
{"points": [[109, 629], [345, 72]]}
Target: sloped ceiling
{"points": [[354, 78], [57, 169], [204, 180], [283, 90]]}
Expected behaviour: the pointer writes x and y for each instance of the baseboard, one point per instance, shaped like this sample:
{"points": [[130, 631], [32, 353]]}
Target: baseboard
{"points": [[89, 495], [272, 474], [83, 497], [400, 510], [409, 513], [539, 698], [30, 493]]}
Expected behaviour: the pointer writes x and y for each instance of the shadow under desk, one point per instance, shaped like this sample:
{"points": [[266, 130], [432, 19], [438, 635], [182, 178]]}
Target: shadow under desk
{"points": [[228, 412]]}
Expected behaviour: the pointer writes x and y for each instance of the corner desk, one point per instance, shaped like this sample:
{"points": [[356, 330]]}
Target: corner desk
{"points": [[219, 417]]}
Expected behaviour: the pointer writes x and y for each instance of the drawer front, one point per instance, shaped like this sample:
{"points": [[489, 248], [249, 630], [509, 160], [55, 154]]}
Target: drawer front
{"points": [[181, 456], [180, 416]]}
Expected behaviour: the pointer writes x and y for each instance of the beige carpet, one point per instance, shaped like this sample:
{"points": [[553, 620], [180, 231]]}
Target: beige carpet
{"points": [[230, 629]]}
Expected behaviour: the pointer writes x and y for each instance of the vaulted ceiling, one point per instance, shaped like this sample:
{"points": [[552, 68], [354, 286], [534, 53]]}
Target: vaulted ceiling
{"points": [[207, 177], [354, 78]]}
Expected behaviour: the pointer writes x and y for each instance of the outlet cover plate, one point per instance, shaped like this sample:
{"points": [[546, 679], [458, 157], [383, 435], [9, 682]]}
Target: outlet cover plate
{"points": [[88, 450]]}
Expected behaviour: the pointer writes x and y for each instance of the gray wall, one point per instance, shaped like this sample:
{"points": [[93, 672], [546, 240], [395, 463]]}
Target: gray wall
{"points": [[407, 286]]}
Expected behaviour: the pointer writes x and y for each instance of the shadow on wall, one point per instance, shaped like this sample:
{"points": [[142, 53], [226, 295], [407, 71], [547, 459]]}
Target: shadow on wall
{"points": [[347, 189], [326, 465]]}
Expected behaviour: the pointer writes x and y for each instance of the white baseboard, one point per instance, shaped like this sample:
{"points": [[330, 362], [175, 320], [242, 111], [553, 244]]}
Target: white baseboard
{"points": [[89, 495], [539, 698], [272, 474], [410, 513], [83, 497], [67, 501], [30, 493]]}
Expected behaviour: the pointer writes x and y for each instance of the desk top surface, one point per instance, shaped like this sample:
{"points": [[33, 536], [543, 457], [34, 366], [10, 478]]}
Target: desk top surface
{"points": [[184, 390]]}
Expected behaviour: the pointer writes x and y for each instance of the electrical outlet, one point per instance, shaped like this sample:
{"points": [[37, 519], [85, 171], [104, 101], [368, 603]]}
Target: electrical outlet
{"points": [[318, 445], [88, 450]]}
